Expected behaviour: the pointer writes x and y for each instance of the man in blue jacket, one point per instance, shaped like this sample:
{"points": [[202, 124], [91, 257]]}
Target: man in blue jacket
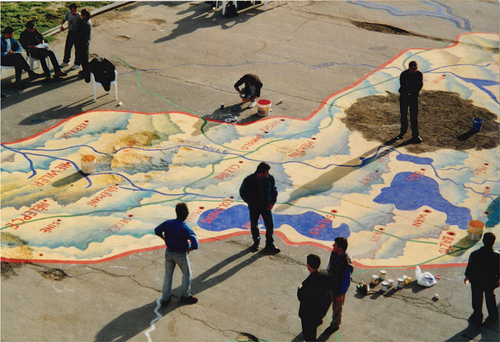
{"points": [[180, 240], [11, 56], [340, 269], [259, 191]]}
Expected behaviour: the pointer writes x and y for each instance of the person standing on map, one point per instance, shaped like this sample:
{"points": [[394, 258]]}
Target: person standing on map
{"points": [[340, 269], [411, 81], [483, 273], [259, 191], [314, 297], [251, 90], [180, 240]]}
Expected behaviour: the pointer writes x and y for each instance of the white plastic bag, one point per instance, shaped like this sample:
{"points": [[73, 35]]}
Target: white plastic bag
{"points": [[424, 279]]}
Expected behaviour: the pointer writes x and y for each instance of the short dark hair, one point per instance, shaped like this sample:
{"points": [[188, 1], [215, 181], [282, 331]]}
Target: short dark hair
{"points": [[182, 211], [262, 168], [73, 5], [314, 261], [413, 63], [8, 29], [85, 13], [489, 239], [341, 242], [30, 25]]}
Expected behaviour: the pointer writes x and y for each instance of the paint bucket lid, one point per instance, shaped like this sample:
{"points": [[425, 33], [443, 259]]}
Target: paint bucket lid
{"points": [[264, 102]]}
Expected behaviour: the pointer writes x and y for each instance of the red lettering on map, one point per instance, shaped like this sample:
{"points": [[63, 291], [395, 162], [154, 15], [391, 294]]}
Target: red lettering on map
{"points": [[46, 178], [216, 212], [106, 193], [116, 227], [229, 172], [302, 149], [75, 130], [28, 215]]}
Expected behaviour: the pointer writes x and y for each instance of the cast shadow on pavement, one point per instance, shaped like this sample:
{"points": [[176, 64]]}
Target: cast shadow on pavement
{"points": [[203, 17], [486, 332], [35, 88], [131, 323], [204, 281], [136, 321], [63, 112]]}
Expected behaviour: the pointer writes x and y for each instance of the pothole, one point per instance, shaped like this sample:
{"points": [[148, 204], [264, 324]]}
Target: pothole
{"points": [[382, 28], [122, 38]]}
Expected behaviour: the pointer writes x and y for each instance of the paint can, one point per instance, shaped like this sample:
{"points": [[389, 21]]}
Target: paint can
{"points": [[375, 279], [235, 108], [476, 124], [263, 107], [407, 280], [222, 106], [391, 282], [401, 282], [383, 273], [385, 286], [88, 164], [475, 230]]}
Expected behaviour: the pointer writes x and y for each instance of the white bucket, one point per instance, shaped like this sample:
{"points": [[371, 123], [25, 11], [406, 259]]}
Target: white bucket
{"points": [[375, 279], [385, 286], [383, 273], [263, 107], [475, 230], [88, 164], [401, 283], [391, 282]]}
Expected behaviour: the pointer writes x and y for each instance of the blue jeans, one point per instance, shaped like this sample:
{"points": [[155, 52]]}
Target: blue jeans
{"points": [[181, 259], [267, 216]]}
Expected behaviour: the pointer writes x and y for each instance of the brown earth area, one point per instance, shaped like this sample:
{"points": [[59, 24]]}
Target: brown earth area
{"points": [[444, 121]]}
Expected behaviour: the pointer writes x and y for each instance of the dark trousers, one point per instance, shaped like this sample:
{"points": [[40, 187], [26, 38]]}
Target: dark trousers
{"points": [[71, 40], [16, 60], [411, 101], [477, 303], [267, 216], [82, 50], [41, 54], [309, 328]]}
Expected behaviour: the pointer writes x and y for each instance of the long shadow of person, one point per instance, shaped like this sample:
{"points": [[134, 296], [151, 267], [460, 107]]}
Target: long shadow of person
{"points": [[203, 17], [132, 322], [135, 321]]}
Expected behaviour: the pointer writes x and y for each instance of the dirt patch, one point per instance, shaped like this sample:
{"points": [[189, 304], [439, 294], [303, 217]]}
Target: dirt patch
{"points": [[52, 273], [444, 121], [8, 269]]}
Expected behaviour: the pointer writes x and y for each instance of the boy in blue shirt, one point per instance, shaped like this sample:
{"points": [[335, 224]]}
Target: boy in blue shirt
{"points": [[180, 240]]}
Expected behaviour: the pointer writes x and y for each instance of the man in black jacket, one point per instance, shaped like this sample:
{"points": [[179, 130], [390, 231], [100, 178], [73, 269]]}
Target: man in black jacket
{"points": [[32, 41], [483, 273], [411, 82], [84, 31], [259, 191], [314, 297]]}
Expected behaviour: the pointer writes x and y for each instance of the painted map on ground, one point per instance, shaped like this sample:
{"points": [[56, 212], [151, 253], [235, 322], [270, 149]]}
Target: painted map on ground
{"points": [[397, 209]]}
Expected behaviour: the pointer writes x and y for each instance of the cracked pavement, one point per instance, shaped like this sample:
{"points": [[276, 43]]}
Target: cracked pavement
{"points": [[181, 56]]}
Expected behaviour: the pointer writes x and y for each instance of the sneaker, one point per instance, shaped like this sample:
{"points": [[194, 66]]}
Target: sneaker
{"points": [[74, 67], [399, 137], [166, 302], [255, 246], [416, 140], [64, 64], [33, 75], [18, 85], [60, 73], [252, 104], [272, 249], [189, 300]]}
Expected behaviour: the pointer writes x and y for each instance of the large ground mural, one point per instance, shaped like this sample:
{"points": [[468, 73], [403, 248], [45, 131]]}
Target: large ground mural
{"points": [[396, 208]]}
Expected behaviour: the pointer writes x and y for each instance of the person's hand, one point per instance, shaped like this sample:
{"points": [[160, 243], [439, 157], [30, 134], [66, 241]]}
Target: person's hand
{"points": [[62, 28], [339, 298], [10, 53], [270, 207], [244, 99], [300, 286], [466, 280], [190, 250]]}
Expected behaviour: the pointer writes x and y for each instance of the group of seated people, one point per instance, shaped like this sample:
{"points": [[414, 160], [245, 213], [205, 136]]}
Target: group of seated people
{"points": [[33, 42]]}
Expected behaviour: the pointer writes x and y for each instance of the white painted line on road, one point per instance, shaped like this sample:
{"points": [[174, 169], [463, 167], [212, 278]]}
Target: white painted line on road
{"points": [[158, 305]]}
